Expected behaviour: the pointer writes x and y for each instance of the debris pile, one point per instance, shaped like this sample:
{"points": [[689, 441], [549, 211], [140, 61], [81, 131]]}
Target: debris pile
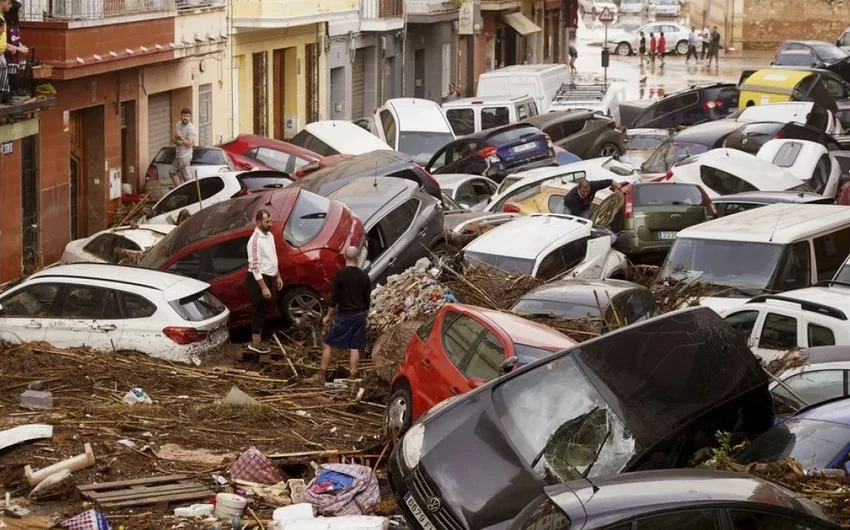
{"points": [[413, 294], [482, 287]]}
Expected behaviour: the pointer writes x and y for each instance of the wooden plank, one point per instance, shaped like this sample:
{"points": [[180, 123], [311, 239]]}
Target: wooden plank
{"points": [[164, 498], [314, 453], [201, 490], [133, 482], [138, 492]]}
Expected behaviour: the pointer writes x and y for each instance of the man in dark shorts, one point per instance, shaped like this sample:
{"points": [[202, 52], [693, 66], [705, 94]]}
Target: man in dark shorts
{"points": [[579, 199], [573, 56], [347, 315], [642, 47]]}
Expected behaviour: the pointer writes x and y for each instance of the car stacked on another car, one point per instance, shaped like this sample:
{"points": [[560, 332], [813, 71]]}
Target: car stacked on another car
{"points": [[692, 141], [114, 245], [205, 161], [416, 127], [276, 154], [741, 202], [691, 106], [586, 134], [821, 54]]}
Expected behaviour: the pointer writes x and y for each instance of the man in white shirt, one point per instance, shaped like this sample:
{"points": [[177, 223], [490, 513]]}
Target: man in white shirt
{"points": [[263, 277], [184, 142], [706, 40]]}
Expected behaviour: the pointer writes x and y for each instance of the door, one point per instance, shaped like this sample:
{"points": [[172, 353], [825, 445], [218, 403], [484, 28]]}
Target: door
{"points": [[159, 124], [278, 93], [24, 312], [779, 333], [311, 52], [358, 85], [395, 251], [419, 74], [261, 93], [386, 128], [186, 197], [138, 328], [86, 315], [76, 155], [205, 111], [29, 204]]}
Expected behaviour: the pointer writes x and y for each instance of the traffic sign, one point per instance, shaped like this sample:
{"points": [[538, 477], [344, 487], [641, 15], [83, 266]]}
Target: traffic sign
{"points": [[606, 16]]}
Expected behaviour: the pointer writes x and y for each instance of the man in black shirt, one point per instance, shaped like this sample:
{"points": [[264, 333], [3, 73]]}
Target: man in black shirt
{"points": [[347, 314], [577, 202]]}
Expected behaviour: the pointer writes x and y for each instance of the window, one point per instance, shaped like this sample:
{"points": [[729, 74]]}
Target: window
{"points": [[562, 259], [494, 117], [424, 330], [88, 302], [691, 520], [461, 120], [835, 88], [274, 159], [388, 125], [567, 128], [306, 140], [198, 307], [472, 192], [188, 194], [767, 521], [109, 247], [460, 336], [787, 155], [205, 136], [830, 253], [668, 194], [32, 301], [487, 359], [214, 261], [820, 336], [446, 71], [815, 387], [398, 221], [779, 332], [795, 268], [724, 183], [307, 219], [820, 176], [555, 204], [136, 306], [742, 323]]}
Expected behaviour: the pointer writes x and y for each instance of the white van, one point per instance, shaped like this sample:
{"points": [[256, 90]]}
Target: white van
{"points": [[335, 137], [775, 248], [540, 81], [416, 127], [471, 115]]}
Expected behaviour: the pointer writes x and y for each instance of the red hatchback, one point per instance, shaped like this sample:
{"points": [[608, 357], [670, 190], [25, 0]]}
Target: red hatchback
{"points": [[310, 233], [462, 347], [276, 154]]}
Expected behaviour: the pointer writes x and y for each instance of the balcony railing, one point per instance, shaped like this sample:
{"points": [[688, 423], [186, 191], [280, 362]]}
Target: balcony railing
{"points": [[21, 92], [431, 7], [61, 10], [381, 9]]}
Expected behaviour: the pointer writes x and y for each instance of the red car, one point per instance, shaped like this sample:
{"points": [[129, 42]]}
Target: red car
{"points": [[252, 150], [310, 232], [461, 348]]}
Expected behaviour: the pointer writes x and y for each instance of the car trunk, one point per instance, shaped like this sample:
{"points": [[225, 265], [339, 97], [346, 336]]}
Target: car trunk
{"points": [[513, 153], [668, 218]]}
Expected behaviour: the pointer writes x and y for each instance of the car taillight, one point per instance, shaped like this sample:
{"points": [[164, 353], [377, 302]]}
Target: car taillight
{"points": [[668, 175], [707, 201], [486, 152], [182, 335], [778, 135], [711, 105], [549, 141], [510, 208], [152, 173], [628, 205], [307, 169]]}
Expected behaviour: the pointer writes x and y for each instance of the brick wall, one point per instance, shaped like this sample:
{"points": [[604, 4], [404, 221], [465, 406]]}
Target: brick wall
{"points": [[10, 214], [769, 22]]}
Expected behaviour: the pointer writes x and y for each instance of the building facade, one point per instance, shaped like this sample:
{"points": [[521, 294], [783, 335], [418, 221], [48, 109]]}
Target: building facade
{"points": [[433, 57]]}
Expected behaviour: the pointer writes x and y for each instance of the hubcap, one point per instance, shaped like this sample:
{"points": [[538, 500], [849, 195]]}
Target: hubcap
{"points": [[623, 49], [682, 49], [395, 417], [610, 150], [304, 305]]}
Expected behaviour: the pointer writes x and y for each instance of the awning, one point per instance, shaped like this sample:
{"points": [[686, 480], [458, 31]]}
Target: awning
{"points": [[521, 23]]}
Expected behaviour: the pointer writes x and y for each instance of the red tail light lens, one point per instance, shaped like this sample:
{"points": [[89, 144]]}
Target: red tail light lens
{"points": [[779, 135], [152, 173], [487, 151], [711, 105], [707, 201], [628, 204], [510, 208], [182, 335]]}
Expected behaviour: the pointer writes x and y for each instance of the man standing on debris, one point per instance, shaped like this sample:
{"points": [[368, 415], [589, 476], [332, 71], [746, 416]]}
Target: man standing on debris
{"points": [[184, 141], [263, 278], [348, 315], [579, 199]]}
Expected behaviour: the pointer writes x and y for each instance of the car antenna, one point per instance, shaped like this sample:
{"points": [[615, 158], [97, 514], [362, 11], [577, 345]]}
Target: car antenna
{"points": [[776, 225]]}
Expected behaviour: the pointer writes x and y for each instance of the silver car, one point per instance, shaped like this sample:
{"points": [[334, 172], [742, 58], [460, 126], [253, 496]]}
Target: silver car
{"points": [[667, 8], [634, 7], [626, 42]]}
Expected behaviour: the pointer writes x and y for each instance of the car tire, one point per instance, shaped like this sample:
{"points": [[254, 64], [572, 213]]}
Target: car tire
{"points": [[301, 302], [623, 49], [608, 149], [682, 47], [399, 415]]}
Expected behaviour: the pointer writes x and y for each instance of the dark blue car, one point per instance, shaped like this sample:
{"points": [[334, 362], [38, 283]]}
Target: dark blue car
{"points": [[495, 153], [818, 437], [689, 107]]}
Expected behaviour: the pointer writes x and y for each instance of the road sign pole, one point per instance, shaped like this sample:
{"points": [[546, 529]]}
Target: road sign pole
{"points": [[604, 49], [606, 17]]}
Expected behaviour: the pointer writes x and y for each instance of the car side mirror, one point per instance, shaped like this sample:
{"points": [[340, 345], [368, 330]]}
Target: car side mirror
{"points": [[475, 382], [509, 364]]}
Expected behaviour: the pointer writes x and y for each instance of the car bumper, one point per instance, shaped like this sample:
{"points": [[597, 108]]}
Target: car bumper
{"points": [[413, 486]]}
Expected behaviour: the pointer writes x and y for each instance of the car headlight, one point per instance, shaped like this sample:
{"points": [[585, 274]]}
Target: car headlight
{"points": [[411, 445]]}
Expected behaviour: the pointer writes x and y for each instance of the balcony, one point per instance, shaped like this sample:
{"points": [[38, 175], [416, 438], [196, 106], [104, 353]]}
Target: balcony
{"points": [[274, 14], [95, 12], [23, 92], [424, 10], [381, 15]]}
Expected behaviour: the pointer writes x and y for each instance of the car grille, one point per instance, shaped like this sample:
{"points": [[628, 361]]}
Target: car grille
{"points": [[423, 490]]}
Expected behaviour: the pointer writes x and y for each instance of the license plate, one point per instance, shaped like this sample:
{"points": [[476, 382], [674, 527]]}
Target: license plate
{"points": [[524, 147], [666, 235], [417, 512]]}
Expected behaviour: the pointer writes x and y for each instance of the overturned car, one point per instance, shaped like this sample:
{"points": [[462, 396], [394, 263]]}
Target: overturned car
{"points": [[647, 396]]}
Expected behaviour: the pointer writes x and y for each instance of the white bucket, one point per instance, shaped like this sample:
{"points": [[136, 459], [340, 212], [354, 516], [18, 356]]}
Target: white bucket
{"points": [[293, 512], [228, 505]]}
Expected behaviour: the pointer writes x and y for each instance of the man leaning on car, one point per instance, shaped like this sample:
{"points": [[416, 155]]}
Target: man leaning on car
{"points": [[579, 199]]}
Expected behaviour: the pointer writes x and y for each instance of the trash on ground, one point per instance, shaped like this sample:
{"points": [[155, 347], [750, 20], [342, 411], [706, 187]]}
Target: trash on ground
{"points": [[89, 520], [24, 433], [343, 489], [228, 505], [237, 397], [53, 485], [349, 522], [277, 494], [254, 466], [137, 395], [195, 510], [143, 491], [36, 399], [74, 463]]}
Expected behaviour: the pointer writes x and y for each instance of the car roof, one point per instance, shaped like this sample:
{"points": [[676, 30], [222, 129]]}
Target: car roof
{"points": [[524, 68], [825, 354], [712, 130], [774, 223], [837, 411], [253, 140], [580, 291], [543, 120], [521, 330], [366, 164], [800, 109], [173, 286], [547, 229], [344, 136], [486, 100], [142, 235], [629, 494], [488, 133], [748, 167], [366, 196], [450, 180], [416, 114], [835, 296], [770, 197]]}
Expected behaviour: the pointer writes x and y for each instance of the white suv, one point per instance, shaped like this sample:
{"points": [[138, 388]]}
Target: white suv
{"points": [[113, 308], [775, 324]]}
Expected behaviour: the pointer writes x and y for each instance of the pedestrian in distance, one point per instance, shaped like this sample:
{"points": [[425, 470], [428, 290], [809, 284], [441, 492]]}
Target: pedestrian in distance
{"points": [[454, 93], [348, 315], [652, 48], [642, 47], [183, 140], [693, 40], [579, 199], [573, 56], [706, 39], [662, 46], [263, 279], [714, 47]]}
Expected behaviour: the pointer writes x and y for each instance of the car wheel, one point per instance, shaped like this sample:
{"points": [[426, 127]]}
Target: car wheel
{"points": [[609, 149], [399, 414], [624, 49], [682, 47], [301, 302]]}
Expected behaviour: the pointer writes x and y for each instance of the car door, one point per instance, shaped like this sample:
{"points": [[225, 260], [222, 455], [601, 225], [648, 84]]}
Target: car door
{"points": [[186, 197], [462, 121], [23, 312], [138, 326], [400, 246], [86, 315], [780, 332], [745, 323], [680, 519]]}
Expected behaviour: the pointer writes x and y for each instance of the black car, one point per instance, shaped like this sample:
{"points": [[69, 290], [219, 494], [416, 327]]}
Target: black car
{"points": [[675, 499], [689, 107], [401, 222], [748, 200], [688, 142], [583, 133], [382, 163], [821, 54], [750, 137], [647, 396], [495, 153]]}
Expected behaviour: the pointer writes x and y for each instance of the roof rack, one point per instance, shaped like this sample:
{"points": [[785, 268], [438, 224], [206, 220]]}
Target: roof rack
{"points": [[806, 306], [572, 92]]}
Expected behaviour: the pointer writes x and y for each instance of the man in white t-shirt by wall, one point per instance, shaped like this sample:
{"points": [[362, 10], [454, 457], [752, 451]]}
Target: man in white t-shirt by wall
{"points": [[183, 140]]}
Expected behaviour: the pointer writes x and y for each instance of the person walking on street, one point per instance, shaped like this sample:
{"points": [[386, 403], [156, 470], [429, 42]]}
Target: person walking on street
{"points": [[183, 140], [693, 40], [714, 47], [706, 39], [642, 47], [579, 199], [573, 56], [347, 315], [662, 46], [454, 93], [263, 278], [652, 48]]}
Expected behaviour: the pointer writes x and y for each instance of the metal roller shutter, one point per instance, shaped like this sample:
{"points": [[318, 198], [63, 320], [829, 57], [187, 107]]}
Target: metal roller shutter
{"points": [[159, 123], [358, 82]]}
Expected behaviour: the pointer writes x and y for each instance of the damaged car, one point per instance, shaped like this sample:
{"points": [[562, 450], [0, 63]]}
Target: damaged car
{"points": [[647, 396], [114, 245]]}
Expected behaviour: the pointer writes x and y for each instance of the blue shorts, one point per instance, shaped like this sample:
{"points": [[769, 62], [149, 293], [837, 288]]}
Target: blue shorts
{"points": [[348, 332]]}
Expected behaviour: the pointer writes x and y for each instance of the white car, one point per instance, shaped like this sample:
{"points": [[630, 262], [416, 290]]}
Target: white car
{"points": [[562, 246], [213, 189], [809, 161], [725, 171], [205, 161], [468, 191], [667, 8], [802, 112], [634, 7], [626, 42], [775, 324], [114, 244], [416, 127], [595, 7], [336, 137], [821, 378], [111, 308]]}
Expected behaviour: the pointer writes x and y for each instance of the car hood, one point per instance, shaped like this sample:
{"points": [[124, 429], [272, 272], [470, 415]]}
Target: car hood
{"points": [[721, 304]]}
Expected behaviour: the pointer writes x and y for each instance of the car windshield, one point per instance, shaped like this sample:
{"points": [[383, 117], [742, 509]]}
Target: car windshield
{"points": [[307, 219], [422, 145], [557, 308], [512, 134], [644, 142], [209, 157], [667, 195], [729, 263], [812, 443], [506, 264], [528, 354], [793, 58], [560, 425], [670, 152], [829, 52]]}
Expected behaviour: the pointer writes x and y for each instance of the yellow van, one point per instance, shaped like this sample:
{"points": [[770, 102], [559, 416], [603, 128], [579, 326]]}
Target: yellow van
{"points": [[779, 85]]}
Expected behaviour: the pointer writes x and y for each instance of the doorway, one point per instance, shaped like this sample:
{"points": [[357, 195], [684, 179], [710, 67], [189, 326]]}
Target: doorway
{"points": [[87, 173], [29, 204], [419, 73], [506, 45], [279, 91], [128, 143], [78, 174], [261, 93]]}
